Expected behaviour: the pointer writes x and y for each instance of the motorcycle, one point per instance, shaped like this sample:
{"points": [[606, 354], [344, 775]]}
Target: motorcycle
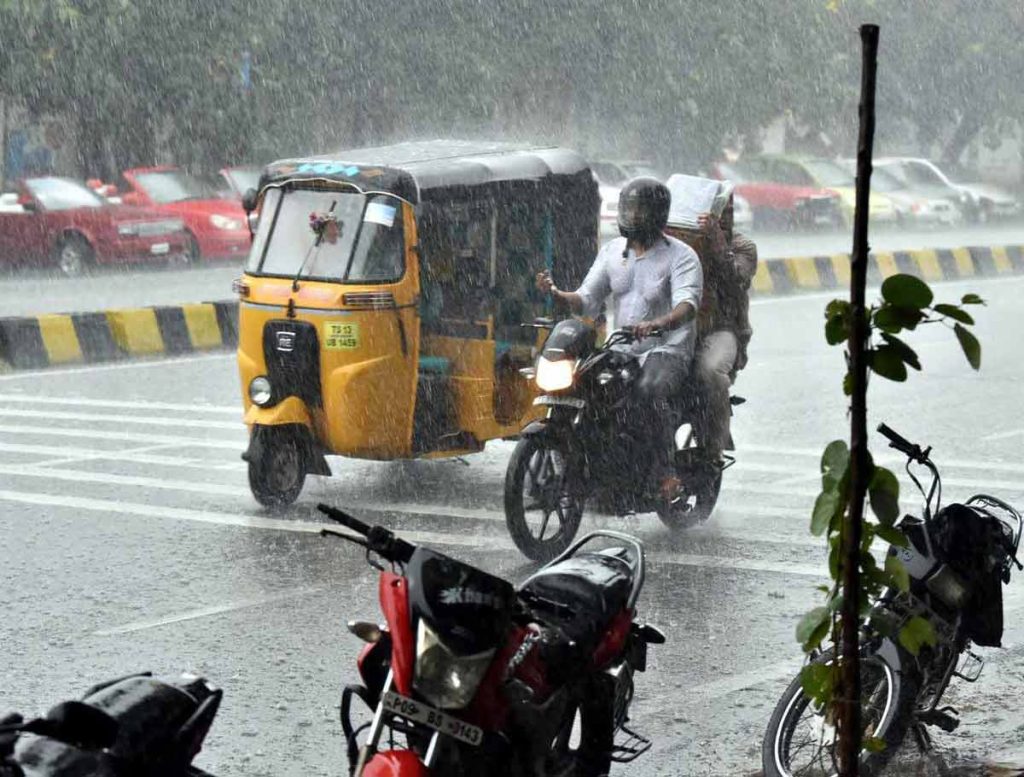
{"points": [[477, 676], [957, 558], [587, 445], [482, 678], [128, 727]]}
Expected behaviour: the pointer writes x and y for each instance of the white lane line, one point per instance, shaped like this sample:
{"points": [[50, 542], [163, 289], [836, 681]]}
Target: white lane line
{"points": [[60, 415], [204, 612], [1004, 435], [184, 442], [129, 365], [35, 399], [119, 507], [72, 455], [105, 478], [889, 459]]}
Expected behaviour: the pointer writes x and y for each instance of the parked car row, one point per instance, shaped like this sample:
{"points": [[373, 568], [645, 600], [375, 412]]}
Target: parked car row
{"points": [[778, 191], [156, 214]]}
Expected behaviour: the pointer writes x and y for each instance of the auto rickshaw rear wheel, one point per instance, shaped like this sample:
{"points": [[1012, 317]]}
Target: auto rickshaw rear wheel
{"points": [[278, 462]]}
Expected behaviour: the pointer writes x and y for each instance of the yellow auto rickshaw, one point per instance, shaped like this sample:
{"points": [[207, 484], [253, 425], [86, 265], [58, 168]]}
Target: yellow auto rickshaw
{"points": [[382, 303]]}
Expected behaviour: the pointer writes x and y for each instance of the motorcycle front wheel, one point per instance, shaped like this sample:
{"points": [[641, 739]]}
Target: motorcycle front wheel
{"points": [[543, 500], [800, 742]]}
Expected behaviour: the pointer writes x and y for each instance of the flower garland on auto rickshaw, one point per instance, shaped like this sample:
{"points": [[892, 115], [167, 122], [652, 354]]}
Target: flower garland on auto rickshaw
{"points": [[325, 226]]}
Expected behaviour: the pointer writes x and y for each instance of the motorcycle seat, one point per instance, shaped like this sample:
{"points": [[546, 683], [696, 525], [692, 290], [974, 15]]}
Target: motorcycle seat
{"points": [[580, 595]]}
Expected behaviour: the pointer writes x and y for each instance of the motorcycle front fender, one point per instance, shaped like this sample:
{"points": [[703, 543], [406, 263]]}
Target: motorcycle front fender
{"points": [[290, 410], [395, 763]]}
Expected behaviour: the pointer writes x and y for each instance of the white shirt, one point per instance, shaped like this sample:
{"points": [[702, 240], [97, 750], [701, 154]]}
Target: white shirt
{"points": [[645, 287]]}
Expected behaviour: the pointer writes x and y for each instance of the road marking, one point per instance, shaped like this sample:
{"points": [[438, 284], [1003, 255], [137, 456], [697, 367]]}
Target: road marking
{"points": [[36, 399], [97, 434], [60, 415], [120, 507], [891, 459], [133, 455], [132, 365], [1004, 435], [204, 612]]}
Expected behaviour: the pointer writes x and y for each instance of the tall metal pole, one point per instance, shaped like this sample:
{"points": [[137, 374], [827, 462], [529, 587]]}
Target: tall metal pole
{"points": [[849, 717]]}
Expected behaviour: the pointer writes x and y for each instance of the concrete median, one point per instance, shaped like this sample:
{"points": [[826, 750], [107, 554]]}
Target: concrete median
{"points": [[31, 342], [28, 342]]}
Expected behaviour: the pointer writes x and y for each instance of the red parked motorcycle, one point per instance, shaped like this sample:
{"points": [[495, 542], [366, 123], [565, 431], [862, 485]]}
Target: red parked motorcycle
{"points": [[472, 676]]}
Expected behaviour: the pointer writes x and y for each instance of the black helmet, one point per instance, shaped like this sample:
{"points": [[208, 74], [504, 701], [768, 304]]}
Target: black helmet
{"points": [[643, 209]]}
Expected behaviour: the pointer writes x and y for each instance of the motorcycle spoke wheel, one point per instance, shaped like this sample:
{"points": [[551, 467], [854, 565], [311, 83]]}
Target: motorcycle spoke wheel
{"points": [[542, 506]]}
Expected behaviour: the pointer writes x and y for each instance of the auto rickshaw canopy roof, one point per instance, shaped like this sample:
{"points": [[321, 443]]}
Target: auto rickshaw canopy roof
{"points": [[421, 171]]}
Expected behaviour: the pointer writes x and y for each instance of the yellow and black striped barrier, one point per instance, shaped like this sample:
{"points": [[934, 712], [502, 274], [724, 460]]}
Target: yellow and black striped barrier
{"points": [[68, 338], [784, 276]]}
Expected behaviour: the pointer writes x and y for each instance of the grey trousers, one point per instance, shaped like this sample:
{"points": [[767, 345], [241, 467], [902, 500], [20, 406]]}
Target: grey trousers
{"points": [[716, 358]]}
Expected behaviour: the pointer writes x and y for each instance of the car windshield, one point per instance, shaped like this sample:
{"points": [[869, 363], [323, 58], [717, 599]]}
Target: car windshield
{"points": [[884, 181], [62, 194], [922, 174], [361, 239], [174, 186], [828, 173], [243, 178]]}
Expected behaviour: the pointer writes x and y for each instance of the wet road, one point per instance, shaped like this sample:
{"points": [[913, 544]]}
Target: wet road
{"points": [[39, 291], [130, 542]]}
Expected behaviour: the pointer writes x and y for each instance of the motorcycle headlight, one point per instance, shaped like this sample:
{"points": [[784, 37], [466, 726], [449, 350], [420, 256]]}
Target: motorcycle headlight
{"points": [[224, 222], [260, 391], [554, 375], [444, 679]]}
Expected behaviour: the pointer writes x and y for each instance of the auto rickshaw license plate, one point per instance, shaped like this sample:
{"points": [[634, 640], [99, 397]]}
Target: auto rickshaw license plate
{"points": [[340, 337], [439, 721]]}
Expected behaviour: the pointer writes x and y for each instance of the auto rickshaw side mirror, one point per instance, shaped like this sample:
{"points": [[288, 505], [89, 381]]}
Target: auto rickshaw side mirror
{"points": [[249, 200]]}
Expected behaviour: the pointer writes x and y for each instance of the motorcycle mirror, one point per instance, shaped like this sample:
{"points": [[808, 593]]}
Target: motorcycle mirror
{"points": [[249, 200], [367, 632]]}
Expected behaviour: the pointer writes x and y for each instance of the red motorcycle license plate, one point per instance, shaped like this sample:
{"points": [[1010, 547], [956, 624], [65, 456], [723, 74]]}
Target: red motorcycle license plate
{"points": [[418, 712]]}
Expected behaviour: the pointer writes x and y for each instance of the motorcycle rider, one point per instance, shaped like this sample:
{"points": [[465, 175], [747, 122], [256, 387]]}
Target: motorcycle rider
{"points": [[724, 330], [655, 283]]}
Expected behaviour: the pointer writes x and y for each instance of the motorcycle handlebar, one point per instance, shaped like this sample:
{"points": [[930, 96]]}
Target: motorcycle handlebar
{"points": [[903, 445], [381, 541]]}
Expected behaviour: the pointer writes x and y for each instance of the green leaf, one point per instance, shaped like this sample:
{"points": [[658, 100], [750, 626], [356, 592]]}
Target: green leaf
{"points": [[971, 299], [873, 744], [835, 461], [892, 535], [970, 345], [897, 572], [825, 507], [818, 680], [890, 318], [907, 354], [837, 321], [887, 362], [916, 633], [905, 290], [884, 493], [952, 311], [810, 625], [848, 383]]}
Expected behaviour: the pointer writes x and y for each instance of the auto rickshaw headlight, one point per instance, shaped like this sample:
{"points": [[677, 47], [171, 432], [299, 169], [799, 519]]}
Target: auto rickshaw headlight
{"points": [[554, 375], [260, 391]]}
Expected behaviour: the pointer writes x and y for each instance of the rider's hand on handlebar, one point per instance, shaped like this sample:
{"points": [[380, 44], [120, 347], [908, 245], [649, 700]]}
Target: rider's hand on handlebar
{"points": [[646, 329], [544, 283]]}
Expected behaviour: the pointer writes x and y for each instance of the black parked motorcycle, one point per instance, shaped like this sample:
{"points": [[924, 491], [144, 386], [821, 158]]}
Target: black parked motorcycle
{"points": [[132, 726], [589, 446], [957, 558]]}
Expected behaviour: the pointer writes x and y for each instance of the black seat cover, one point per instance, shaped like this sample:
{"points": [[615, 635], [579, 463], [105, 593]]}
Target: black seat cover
{"points": [[592, 586]]}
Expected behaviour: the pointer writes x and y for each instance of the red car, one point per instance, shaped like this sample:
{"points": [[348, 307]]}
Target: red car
{"points": [[777, 203], [216, 226], [59, 220]]}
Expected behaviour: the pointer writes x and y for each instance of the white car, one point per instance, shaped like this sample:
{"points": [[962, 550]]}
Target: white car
{"points": [[977, 201]]}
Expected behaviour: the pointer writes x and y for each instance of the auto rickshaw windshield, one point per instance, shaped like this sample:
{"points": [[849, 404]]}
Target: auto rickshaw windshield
{"points": [[329, 235]]}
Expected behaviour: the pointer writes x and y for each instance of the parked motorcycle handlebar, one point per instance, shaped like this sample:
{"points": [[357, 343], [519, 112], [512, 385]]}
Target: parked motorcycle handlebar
{"points": [[903, 445], [381, 541]]}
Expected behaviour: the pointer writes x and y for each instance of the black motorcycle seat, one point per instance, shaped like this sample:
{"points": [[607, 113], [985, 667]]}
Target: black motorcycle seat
{"points": [[580, 595]]}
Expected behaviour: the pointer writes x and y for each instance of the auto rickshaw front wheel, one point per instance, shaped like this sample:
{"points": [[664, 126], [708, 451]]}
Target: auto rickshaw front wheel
{"points": [[278, 459]]}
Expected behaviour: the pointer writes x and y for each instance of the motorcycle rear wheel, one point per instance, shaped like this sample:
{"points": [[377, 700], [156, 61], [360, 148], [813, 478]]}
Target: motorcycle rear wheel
{"points": [[540, 488], [701, 484], [887, 710], [583, 746]]}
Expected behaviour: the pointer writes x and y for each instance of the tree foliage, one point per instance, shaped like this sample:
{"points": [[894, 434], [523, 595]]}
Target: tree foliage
{"points": [[669, 80]]}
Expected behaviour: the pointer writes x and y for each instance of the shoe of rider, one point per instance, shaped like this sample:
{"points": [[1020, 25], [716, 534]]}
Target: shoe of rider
{"points": [[652, 283]]}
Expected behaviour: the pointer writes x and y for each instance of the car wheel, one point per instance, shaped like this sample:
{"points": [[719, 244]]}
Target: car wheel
{"points": [[73, 255]]}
